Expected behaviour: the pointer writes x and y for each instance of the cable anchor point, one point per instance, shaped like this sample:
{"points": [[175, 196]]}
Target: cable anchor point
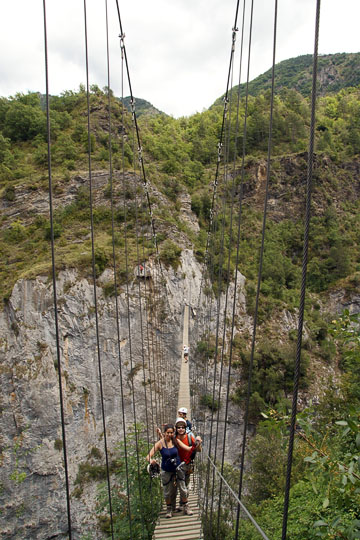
{"points": [[234, 30], [140, 154], [122, 44]]}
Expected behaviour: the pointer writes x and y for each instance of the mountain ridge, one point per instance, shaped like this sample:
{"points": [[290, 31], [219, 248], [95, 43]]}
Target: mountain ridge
{"points": [[335, 72]]}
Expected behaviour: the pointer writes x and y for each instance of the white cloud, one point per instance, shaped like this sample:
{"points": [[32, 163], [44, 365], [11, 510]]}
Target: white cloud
{"points": [[178, 50]]}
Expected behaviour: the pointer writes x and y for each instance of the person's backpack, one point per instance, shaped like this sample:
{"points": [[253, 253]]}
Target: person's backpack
{"points": [[193, 455]]}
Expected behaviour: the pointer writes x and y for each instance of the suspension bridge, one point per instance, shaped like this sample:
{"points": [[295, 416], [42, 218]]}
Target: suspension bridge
{"points": [[215, 500], [182, 527]]}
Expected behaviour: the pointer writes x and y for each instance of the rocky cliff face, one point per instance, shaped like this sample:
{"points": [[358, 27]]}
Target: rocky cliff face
{"points": [[33, 493]]}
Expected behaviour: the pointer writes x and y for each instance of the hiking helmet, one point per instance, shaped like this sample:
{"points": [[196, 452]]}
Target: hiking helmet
{"points": [[153, 470], [180, 421], [183, 410]]}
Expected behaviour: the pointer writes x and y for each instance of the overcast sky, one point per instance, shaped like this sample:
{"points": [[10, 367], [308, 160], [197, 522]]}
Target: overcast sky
{"points": [[178, 50]]}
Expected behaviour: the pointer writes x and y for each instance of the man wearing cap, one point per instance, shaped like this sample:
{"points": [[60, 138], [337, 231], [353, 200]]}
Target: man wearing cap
{"points": [[182, 413]]}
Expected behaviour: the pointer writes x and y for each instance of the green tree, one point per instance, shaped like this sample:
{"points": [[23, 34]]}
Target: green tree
{"points": [[145, 493], [170, 254], [24, 121]]}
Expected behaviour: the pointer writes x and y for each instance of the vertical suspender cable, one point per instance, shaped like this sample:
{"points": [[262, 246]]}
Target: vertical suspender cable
{"points": [[115, 283], [221, 273], [54, 278], [142, 341], [128, 298], [211, 222], [228, 271], [141, 318], [137, 132], [146, 300], [136, 427], [94, 275], [242, 184], [213, 393], [141, 161], [303, 279], [260, 268]]}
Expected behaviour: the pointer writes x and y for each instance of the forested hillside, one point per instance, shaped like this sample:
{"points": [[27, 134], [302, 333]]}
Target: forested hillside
{"points": [[180, 157], [335, 72]]}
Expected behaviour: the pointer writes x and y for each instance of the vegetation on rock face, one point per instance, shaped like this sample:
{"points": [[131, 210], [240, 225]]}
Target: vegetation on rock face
{"points": [[180, 156], [325, 489], [325, 493], [170, 254]]}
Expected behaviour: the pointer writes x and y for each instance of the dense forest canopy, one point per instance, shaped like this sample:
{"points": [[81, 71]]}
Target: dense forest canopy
{"points": [[180, 154]]}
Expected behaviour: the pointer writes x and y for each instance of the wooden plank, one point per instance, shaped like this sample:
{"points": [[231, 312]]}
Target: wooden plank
{"points": [[173, 524], [179, 536]]}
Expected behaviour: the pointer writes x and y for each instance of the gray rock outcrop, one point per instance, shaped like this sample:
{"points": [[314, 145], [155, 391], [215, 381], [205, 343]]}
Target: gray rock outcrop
{"points": [[33, 492]]}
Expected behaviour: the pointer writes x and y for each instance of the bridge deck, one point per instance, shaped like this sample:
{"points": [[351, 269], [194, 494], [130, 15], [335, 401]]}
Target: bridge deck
{"points": [[180, 526]]}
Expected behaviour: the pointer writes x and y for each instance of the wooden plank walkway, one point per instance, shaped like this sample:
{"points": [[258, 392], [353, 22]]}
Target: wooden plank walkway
{"points": [[181, 527], [184, 388]]}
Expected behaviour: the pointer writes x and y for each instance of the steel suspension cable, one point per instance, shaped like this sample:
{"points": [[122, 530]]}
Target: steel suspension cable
{"points": [[115, 280], [128, 301], [141, 318], [159, 351], [228, 271], [147, 268], [141, 161], [220, 278], [57, 340], [142, 344], [94, 273], [243, 507], [146, 309], [303, 278], [242, 184], [260, 267], [140, 156], [213, 388], [206, 335], [234, 30]]}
